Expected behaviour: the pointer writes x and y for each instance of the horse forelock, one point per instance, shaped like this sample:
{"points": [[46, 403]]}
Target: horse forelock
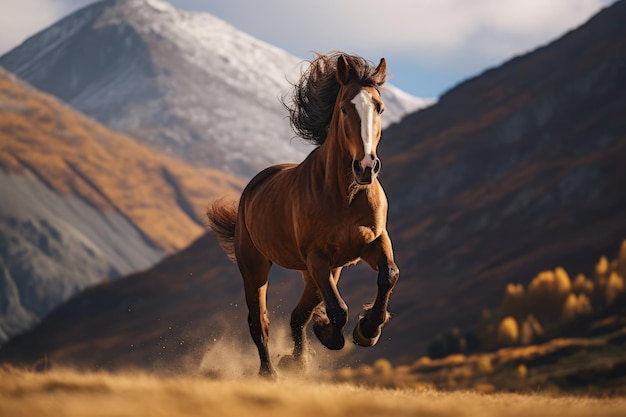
{"points": [[314, 95]]}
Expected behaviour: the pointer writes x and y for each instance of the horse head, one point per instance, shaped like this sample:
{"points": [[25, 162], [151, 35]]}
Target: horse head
{"points": [[359, 107]]}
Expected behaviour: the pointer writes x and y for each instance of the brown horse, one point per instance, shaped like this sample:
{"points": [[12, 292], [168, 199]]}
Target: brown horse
{"points": [[321, 215]]}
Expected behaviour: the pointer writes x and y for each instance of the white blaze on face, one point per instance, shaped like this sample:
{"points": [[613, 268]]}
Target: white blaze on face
{"points": [[364, 104]]}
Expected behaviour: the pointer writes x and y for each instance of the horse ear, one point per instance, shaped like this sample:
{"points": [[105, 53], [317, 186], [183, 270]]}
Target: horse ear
{"points": [[381, 71], [343, 70]]}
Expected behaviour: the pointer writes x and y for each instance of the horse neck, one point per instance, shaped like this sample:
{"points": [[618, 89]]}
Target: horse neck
{"points": [[337, 166]]}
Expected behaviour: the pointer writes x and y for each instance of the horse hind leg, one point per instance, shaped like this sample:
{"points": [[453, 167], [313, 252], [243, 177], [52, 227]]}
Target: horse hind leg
{"points": [[259, 325], [300, 317], [255, 269]]}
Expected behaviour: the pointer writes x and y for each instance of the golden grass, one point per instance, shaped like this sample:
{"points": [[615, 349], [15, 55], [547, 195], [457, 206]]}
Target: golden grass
{"points": [[70, 393]]}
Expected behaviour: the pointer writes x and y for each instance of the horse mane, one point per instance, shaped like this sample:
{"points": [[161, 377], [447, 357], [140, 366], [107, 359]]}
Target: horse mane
{"points": [[314, 95]]}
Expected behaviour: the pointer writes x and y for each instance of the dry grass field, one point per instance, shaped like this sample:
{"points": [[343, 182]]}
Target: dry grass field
{"points": [[73, 394]]}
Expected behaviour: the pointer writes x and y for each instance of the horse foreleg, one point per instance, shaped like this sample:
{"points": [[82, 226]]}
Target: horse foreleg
{"points": [[328, 327], [379, 255], [300, 317], [302, 314]]}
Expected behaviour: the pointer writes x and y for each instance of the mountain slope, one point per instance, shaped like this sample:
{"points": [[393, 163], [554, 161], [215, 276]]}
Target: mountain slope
{"points": [[83, 204], [164, 316], [515, 171], [187, 83]]}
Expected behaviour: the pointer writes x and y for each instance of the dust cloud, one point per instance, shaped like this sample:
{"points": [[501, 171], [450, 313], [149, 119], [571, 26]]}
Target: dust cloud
{"points": [[233, 355]]}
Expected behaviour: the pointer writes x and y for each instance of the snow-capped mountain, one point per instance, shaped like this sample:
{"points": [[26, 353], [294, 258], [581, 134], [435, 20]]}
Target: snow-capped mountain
{"points": [[186, 82], [82, 204], [499, 190]]}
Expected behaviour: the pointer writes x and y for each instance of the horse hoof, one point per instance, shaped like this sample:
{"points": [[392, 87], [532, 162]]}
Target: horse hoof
{"points": [[330, 338], [268, 373], [361, 340], [291, 364]]}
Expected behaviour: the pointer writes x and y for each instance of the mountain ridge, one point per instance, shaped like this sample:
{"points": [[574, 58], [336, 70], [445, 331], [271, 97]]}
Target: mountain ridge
{"points": [[83, 204], [188, 83], [518, 170]]}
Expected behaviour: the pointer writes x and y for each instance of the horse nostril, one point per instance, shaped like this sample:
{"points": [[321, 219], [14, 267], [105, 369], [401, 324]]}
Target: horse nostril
{"points": [[376, 167], [356, 166]]}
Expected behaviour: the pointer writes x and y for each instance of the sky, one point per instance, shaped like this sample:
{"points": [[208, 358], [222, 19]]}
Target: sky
{"points": [[430, 45]]}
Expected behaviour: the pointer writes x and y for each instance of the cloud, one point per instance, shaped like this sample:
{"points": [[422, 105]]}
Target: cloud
{"points": [[439, 41], [439, 32], [20, 19]]}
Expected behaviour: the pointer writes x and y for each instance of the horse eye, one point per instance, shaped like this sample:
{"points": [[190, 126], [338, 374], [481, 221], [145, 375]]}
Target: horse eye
{"points": [[343, 110]]}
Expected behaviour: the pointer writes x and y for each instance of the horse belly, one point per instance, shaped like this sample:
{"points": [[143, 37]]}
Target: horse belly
{"points": [[286, 256], [275, 239]]}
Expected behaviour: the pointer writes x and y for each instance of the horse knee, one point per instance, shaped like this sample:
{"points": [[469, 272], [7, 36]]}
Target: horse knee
{"points": [[298, 320], [394, 275], [388, 277]]}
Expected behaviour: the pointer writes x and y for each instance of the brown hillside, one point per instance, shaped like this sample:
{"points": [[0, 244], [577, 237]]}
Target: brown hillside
{"points": [[513, 172], [160, 319], [161, 196]]}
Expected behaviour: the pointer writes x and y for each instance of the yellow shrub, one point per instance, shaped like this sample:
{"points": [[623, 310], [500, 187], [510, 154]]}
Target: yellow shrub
{"points": [[575, 307], [508, 332], [583, 285], [546, 294], [562, 282], [513, 303], [531, 330], [614, 288], [602, 267]]}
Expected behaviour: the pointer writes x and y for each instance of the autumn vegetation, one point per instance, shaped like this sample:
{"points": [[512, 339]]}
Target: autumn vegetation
{"points": [[74, 155], [552, 305], [555, 305], [557, 335]]}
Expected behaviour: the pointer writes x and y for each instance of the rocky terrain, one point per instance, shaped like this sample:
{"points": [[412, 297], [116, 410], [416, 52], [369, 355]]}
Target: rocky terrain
{"points": [[82, 204]]}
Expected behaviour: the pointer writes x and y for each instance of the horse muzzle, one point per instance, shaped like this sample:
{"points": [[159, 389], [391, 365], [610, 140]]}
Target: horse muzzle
{"points": [[365, 175]]}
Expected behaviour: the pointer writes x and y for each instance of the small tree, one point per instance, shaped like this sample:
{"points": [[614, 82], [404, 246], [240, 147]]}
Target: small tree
{"points": [[508, 332], [602, 267], [614, 288], [582, 285], [575, 307], [531, 331], [514, 301], [546, 294]]}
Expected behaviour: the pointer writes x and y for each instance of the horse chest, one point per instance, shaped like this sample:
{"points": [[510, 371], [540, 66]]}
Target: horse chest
{"points": [[348, 234]]}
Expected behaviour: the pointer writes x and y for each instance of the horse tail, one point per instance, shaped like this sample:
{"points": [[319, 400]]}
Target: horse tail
{"points": [[222, 218]]}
